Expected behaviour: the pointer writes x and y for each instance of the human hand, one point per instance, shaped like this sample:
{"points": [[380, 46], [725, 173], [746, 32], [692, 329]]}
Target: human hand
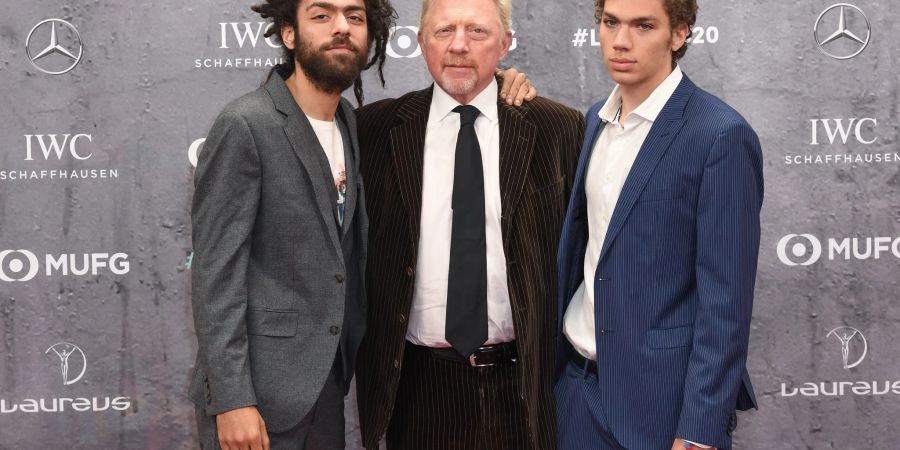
{"points": [[680, 445], [515, 87], [242, 429]]}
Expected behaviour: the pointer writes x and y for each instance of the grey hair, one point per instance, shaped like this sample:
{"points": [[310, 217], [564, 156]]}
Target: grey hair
{"points": [[504, 8]]}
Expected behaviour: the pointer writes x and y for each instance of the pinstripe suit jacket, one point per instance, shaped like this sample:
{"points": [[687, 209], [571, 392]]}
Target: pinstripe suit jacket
{"points": [[538, 154], [674, 283]]}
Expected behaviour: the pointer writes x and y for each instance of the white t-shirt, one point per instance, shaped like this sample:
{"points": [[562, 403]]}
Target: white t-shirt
{"points": [[329, 134]]}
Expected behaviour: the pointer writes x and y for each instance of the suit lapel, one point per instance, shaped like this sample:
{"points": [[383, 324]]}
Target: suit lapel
{"points": [[517, 141], [663, 131], [306, 146], [408, 146]]}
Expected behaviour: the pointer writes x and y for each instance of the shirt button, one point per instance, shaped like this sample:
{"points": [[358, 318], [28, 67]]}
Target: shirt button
{"points": [[339, 277], [410, 272], [334, 330], [402, 318]]}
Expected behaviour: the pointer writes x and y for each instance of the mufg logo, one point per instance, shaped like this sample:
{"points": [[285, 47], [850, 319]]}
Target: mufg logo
{"points": [[24, 265], [807, 249], [404, 43]]}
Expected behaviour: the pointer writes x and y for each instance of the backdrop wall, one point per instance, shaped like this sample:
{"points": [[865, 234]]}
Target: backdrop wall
{"points": [[105, 105]]}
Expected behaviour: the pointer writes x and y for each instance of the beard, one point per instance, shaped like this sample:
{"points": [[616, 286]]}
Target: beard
{"points": [[458, 86], [331, 74]]}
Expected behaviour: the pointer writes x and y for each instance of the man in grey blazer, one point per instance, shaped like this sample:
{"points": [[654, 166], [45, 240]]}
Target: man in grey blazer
{"points": [[279, 234]]}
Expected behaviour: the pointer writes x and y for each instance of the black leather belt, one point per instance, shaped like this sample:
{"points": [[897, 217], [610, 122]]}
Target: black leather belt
{"points": [[485, 356], [589, 365]]}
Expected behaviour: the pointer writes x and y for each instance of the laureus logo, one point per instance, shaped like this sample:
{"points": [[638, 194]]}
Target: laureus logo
{"points": [[853, 345], [54, 46], [72, 362]]}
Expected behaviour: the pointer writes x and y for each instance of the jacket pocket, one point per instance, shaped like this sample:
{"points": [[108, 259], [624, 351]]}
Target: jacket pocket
{"points": [[269, 322], [670, 337], [656, 193], [553, 184]]}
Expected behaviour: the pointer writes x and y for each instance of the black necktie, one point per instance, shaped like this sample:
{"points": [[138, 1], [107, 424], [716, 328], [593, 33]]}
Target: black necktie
{"points": [[467, 323]]}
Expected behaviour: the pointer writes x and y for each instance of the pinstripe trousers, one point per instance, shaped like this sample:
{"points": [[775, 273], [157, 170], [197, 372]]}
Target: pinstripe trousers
{"points": [[448, 405], [580, 418]]}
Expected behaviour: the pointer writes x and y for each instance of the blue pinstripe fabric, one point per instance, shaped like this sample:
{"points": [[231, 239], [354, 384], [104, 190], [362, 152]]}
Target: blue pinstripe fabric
{"points": [[674, 284]]}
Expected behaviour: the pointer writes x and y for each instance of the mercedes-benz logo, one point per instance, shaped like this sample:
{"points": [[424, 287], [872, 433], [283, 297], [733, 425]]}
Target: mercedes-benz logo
{"points": [[842, 42], [67, 46]]}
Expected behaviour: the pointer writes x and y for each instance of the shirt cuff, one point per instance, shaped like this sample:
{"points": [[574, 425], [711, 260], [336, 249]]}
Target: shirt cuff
{"points": [[696, 444]]}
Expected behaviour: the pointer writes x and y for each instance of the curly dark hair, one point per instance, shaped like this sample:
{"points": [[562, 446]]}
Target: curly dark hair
{"points": [[380, 17], [681, 12]]}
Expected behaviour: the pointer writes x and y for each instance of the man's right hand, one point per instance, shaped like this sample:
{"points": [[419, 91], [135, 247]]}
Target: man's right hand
{"points": [[242, 429]]}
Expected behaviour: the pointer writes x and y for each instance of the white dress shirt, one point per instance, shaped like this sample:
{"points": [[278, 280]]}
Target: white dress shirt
{"points": [[611, 160], [427, 320]]}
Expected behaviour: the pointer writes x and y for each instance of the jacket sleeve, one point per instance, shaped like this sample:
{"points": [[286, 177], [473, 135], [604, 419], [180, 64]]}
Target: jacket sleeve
{"points": [[226, 198], [728, 235]]}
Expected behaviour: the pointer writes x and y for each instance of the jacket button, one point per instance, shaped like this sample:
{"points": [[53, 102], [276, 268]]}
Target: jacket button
{"points": [[339, 277], [396, 363], [410, 272], [402, 318], [334, 330]]}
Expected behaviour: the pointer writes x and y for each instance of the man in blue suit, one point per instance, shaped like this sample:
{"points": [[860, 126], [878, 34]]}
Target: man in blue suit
{"points": [[658, 254]]}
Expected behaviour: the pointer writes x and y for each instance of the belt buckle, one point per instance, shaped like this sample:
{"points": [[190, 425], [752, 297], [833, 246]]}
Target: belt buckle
{"points": [[473, 361]]}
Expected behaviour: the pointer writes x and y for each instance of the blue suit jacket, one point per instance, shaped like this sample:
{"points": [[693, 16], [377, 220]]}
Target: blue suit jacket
{"points": [[674, 283]]}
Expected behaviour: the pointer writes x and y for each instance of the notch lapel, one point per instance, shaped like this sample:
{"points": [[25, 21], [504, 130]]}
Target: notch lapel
{"points": [[657, 143], [517, 141], [304, 143], [408, 150]]}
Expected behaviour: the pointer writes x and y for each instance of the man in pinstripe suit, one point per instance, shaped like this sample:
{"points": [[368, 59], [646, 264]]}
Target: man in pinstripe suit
{"points": [[467, 197], [657, 260]]}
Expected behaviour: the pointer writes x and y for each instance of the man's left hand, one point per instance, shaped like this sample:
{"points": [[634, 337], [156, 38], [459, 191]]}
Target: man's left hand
{"points": [[515, 87], [679, 445]]}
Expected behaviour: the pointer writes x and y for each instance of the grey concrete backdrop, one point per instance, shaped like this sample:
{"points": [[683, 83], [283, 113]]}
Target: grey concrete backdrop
{"points": [[142, 96]]}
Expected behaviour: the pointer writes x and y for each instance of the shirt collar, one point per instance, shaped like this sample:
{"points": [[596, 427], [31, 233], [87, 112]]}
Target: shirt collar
{"points": [[442, 103], [651, 107]]}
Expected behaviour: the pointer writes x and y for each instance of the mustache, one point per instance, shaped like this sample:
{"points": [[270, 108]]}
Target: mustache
{"points": [[457, 61], [340, 41]]}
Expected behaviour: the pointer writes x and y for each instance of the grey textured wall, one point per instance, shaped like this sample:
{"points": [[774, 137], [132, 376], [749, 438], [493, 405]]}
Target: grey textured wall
{"points": [[146, 89]]}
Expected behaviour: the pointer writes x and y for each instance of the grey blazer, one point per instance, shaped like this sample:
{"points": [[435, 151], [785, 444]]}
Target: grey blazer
{"points": [[277, 282]]}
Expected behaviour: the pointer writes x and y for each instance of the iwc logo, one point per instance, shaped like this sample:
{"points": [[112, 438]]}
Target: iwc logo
{"points": [[72, 362], [842, 31], [54, 46]]}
